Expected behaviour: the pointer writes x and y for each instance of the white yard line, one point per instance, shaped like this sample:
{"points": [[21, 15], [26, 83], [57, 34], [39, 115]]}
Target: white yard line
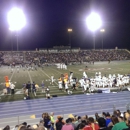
{"points": [[29, 77], [48, 76], [56, 71], [12, 75]]}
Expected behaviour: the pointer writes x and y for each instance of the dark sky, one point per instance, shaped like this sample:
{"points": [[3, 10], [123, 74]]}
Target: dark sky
{"points": [[48, 21]]}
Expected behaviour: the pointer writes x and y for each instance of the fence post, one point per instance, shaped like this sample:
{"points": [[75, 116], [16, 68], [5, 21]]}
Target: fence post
{"points": [[18, 120], [63, 114], [114, 107], [101, 110]]}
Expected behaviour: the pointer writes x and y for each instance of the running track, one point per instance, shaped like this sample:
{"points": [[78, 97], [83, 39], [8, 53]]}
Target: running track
{"points": [[77, 105]]}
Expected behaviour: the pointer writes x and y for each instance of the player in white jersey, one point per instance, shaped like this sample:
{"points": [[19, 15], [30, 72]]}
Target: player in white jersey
{"points": [[60, 84], [103, 81], [92, 84], [70, 78], [99, 75], [96, 74], [81, 81], [85, 75], [110, 82], [114, 76], [65, 67], [57, 66], [119, 84], [109, 76], [84, 87], [128, 80], [97, 82]]}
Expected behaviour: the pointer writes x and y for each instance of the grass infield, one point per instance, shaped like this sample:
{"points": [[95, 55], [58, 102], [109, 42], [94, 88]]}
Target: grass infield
{"points": [[115, 67]]}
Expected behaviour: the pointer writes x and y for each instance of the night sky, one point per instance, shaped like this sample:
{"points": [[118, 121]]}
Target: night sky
{"points": [[48, 21]]}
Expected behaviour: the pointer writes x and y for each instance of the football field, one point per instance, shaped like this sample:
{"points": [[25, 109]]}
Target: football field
{"points": [[39, 75]]}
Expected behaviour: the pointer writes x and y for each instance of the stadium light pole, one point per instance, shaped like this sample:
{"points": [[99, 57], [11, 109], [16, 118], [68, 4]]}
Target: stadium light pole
{"points": [[16, 20], [70, 31], [93, 23], [102, 31]]}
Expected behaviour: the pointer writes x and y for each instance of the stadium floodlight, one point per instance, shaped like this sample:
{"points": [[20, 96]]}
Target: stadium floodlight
{"points": [[94, 22], [70, 30], [102, 31], [16, 20]]}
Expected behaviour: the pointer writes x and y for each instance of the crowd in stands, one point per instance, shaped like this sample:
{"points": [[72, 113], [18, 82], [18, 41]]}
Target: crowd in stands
{"points": [[63, 57], [116, 121]]}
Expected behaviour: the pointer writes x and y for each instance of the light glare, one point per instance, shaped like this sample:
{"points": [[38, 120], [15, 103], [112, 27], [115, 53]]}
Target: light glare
{"points": [[93, 21], [102, 30], [69, 30], [16, 19]]}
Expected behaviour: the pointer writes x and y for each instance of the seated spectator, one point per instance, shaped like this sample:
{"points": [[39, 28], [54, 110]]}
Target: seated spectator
{"points": [[68, 125], [114, 120], [104, 115], [81, 126], [7, 127], [119, 125], [108, 119], [83, 123], [92, 124], [41, 123], [96, 116], [78, 121]]}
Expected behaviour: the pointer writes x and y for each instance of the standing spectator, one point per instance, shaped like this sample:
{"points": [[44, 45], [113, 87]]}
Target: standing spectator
{"points": [[12, 86], [37, 87], [59, 123], [52, 118], [48, 96], [7, 84], [42, 85], [28, 86], [47, 121], [24, 87], [5, 91], [34, 88]]}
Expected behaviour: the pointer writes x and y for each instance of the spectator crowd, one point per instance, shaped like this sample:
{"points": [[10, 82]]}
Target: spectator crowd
{"points": [[116, 121], [63, 57]]}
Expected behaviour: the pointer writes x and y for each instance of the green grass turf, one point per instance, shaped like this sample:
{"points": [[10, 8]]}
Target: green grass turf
{"points": [[115, 67]]}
